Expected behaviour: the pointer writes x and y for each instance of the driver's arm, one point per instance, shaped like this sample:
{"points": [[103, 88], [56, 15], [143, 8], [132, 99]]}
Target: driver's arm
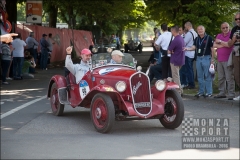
{"points": [[68, 61]]}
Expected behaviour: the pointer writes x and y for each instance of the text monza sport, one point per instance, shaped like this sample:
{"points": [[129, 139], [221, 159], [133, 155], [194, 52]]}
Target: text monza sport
{"points": [[214, 126]]}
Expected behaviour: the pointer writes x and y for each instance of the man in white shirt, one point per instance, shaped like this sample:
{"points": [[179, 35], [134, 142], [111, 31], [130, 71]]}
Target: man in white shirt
{"points": [[18, 56], [163, 42], [78, 70]]}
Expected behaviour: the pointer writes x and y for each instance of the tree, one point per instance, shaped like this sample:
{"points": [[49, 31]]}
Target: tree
{"points": [[209, 13], [21, 15], [11, 7], [52, 9]]}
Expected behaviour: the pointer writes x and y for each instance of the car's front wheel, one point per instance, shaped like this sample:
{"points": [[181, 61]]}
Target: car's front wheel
{"points": [[102, 112], [57, 107], [173, 110]]}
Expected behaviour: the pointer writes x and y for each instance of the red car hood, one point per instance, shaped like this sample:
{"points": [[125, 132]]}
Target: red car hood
{"points": [[114, 71]]}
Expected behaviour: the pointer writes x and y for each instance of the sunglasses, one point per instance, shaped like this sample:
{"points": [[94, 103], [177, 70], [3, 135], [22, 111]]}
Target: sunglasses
{"points": [[225, 28], [237, 19]]}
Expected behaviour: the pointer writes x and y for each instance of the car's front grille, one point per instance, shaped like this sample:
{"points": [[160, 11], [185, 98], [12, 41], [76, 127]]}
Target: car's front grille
{"points": [[140, 88]]}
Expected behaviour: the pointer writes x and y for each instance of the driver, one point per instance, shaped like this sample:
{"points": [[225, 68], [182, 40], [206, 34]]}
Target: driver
{"points": [[78, 70], [116, 57], [131, 43]]}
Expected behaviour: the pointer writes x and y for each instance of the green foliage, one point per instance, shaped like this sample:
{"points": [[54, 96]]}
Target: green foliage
{"points": [[209, 13], [212, 15], [114, 16], [21, 11]]}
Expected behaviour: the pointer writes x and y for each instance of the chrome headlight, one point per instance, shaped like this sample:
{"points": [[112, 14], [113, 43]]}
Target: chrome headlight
{"points": [[160, 85], [94, 49], [139, 68], [109, 50], [121, 86]]}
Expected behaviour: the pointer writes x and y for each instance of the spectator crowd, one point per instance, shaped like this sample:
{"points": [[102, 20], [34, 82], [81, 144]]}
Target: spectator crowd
{"points": [[19, 58], [175, 49]]}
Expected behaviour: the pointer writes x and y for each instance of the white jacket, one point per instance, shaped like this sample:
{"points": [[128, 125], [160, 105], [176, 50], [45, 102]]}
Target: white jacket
{"points": [[78, 70]]}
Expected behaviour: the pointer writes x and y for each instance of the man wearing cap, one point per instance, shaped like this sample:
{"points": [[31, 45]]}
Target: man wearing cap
{"points": [[116, 57], [44, 52], [78, 70]]}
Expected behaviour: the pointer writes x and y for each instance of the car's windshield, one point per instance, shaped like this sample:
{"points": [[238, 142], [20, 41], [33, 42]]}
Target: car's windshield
{"points": [[102, 59]]}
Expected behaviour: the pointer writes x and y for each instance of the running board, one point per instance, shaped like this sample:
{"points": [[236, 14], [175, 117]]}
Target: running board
{"points": [[124, 118]]}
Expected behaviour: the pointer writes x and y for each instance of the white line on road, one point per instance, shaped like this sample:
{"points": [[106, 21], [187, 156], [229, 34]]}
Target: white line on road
{"points": [[21, 107]]}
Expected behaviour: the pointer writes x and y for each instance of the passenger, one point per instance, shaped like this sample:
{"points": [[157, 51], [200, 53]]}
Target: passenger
{"points": [[116, 57], [78, 70]]}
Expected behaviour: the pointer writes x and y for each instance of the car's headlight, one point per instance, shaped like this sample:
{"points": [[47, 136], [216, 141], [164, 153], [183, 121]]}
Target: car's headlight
{"points": [[121, 86], [160, 85], [109, 50], [95, 50]]}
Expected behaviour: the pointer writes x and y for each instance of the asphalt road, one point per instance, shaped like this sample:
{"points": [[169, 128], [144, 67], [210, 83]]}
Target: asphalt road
{"points": [[30, 131]]}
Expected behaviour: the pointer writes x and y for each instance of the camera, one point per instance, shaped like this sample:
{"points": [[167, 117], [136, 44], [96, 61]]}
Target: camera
{"points": [[237, 34]]}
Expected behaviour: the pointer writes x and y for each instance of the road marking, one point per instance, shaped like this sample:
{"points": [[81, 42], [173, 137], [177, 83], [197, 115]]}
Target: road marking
{"points": [[21, 107], [9, 100]]}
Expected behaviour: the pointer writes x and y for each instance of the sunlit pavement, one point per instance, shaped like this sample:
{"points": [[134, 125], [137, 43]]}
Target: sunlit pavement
{"points": [[232, 153]]}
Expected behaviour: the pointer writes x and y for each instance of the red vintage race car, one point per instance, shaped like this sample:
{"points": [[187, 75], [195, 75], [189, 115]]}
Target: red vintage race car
{"points": [[117, 92]]}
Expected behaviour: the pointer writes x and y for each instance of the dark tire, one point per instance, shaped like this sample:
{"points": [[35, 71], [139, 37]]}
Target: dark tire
{"points": [[173, 109], [102, 112], [125, 48], [57, 107], [140, 50]]}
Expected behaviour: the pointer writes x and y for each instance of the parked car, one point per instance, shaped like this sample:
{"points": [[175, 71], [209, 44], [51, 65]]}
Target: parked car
{"points": [[117, 92], [102, 46], [133, 45]]}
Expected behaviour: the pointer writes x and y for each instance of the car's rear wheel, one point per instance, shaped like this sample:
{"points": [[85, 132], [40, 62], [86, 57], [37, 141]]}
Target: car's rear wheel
{"points": [[125, 48], [173, 110], [57, 107], [102, 112]]}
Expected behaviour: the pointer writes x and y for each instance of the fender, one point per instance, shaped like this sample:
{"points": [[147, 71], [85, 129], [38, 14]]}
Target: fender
{"points": [[59, 80], [160, 95], [104, 89]]}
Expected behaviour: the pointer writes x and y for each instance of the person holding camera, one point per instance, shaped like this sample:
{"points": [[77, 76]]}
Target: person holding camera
{"points": [[235, 42], [27, 64]]}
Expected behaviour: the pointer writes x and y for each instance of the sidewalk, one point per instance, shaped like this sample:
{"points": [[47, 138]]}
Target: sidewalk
{"points": [[214, 100]]}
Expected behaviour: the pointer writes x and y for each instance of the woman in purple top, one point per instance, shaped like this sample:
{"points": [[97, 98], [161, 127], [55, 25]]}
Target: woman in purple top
{"points": [[177, 59]]}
